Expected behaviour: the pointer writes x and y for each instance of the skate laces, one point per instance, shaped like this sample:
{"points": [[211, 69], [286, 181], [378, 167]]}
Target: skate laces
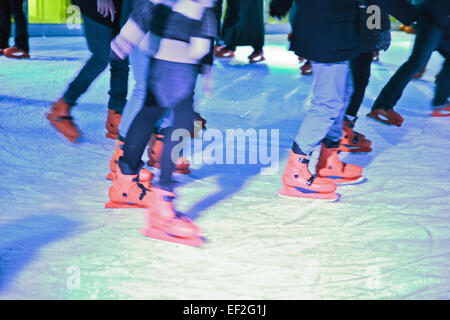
{"points": [[311, 180], [304, 160], [168, 198], [63, 118], [141, 186]]}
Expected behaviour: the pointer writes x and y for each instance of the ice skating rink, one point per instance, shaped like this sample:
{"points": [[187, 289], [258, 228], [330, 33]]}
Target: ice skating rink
{"points": [[388, 238]]}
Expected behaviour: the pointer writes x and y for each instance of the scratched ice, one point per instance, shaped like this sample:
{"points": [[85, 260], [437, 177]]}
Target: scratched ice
{"points": [[386, 238]]}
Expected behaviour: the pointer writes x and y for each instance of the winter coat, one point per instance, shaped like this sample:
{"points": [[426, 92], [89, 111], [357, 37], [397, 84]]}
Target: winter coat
{"points": [[325, 31], [436, 11], [402, 10], [89, 9], [182, 31], [373, 39]]}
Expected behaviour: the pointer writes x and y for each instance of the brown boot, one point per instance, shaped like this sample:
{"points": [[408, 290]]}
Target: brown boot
{"points": [[112, 124], [331, 167], [59, 116], [154, 151]]}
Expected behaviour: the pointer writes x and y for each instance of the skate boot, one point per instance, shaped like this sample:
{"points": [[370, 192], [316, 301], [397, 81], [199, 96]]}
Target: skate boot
{"points": [[353, 141], [256, 56], [441, 112], [155, 150], [329, 166], [163, 223], [224, 53], [16, 53], [127, 192], [59, 116], [306, 69], [112, 124], [217, 48], [145, 175], [386, 116], [376, 56], [299, 182]]}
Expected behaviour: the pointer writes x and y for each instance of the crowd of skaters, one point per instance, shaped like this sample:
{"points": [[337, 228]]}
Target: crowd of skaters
{"points": [[171, 43]]}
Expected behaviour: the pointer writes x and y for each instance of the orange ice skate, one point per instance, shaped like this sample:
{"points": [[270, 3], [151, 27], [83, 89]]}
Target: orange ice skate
{"points": [[155, 150], [127, 192], [353, 141], [163, 223], [59, 116], [299, 182], [331, 167], [112, 124], [145, 175]]}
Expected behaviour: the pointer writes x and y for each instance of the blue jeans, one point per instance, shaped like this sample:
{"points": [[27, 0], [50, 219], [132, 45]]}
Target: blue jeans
{"points": [[428, 39], [331, 92], [170, 87], [99, 39], [140, 64], [13, 8]]}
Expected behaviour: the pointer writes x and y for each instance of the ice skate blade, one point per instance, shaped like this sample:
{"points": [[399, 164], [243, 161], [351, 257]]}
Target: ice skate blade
{"points": [[256, 60], [293, 193], [385, 121], [122, 205], [441, 112], [183, 170], [355, 149], [110, 176], [113, 136], [160, 235], [347, 182]]}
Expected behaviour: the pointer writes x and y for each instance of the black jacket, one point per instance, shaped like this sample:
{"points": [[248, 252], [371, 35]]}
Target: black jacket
{"points": [[437, 12], [89, 9], [326, 31], [373, 39], [404, 12]]}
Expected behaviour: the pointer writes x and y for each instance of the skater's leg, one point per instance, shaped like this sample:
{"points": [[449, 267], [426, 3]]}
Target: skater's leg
{"points": [[183, 117], [329, 92], [163, 222], [336, 130], [138, 135], [428, 39], [360, 68], [329, 165], [5, 24], [118, 85], [176, 90], [442, 90], [99, 42], [20, 21], [139, 63]]}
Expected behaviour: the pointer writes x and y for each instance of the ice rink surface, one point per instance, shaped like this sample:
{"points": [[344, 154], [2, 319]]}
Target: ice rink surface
{"points": [[388, 238]]}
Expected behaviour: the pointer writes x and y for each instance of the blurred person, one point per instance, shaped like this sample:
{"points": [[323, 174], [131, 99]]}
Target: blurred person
{"points": [[101, 21], [21, 48]]}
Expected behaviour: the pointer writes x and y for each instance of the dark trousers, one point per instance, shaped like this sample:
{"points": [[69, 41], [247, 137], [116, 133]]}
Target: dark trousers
{"points": [[99, 39], [428, 39], [360, 67], [170, 86], [13, 8]]}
